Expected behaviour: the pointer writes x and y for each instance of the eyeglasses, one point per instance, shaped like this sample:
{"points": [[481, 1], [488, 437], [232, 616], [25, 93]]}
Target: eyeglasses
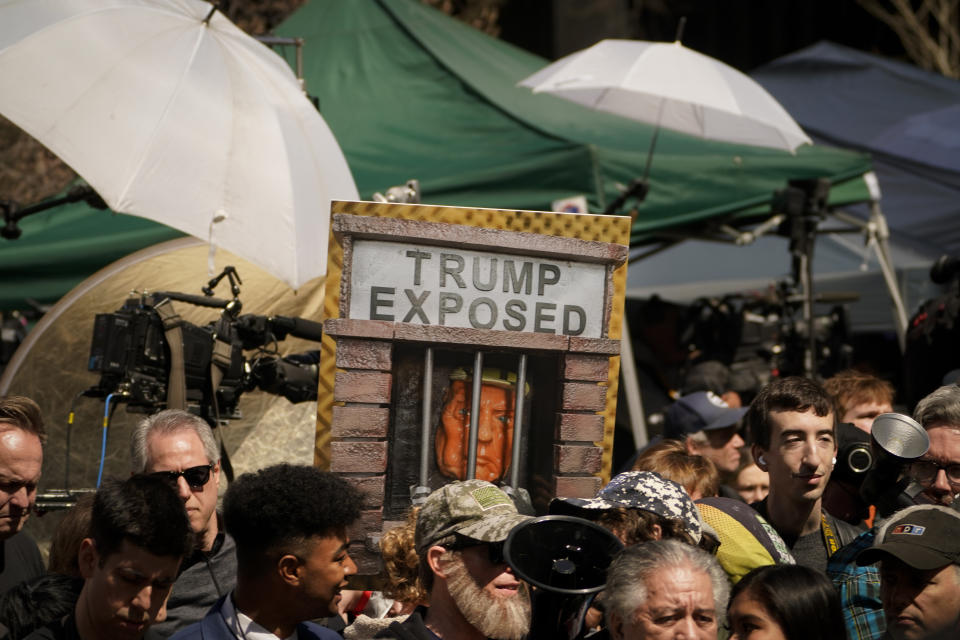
{"points": [[196, 477], [925, 471]]}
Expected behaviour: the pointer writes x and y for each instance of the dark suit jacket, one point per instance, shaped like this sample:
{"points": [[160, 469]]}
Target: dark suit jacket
{"points": [[214, 627]]}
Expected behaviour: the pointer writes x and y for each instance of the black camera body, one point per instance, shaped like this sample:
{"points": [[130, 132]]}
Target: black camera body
{"points": [[854, 455], [149, 358], [870, 469], [896, 441], [130, 351]]}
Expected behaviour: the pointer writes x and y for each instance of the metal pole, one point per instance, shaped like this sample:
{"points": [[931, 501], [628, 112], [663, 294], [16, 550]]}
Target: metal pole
{"points": [[631, 389], [427, 418], [806, 274], [474, 416], [878, 231], [518, 422], [299, 49], [419, 492]]}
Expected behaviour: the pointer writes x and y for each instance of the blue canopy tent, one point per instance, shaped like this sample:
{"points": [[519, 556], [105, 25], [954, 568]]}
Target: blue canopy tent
{"points": [[909, 121]]}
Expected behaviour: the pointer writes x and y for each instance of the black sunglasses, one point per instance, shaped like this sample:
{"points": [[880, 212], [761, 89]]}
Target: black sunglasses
{"points": [[196, 477], [494, 549]]}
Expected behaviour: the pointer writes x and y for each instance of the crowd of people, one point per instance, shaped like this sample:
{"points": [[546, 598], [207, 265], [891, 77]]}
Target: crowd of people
{"points": [[727, 526]]}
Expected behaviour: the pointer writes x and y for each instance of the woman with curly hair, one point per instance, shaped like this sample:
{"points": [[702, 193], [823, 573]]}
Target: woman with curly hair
{"points": [[401, 564], [401, 593]]}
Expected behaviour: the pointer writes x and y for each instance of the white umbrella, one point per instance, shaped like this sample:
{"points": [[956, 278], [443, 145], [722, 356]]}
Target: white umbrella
{"points": [[669, 85], [172, 113]]}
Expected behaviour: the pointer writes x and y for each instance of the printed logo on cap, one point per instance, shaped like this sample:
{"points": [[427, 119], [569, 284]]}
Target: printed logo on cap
{"points": [[908, 530], [716, 400]]}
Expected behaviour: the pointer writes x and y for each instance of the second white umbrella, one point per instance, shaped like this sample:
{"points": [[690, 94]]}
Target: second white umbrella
{"points": [[668, 85]]}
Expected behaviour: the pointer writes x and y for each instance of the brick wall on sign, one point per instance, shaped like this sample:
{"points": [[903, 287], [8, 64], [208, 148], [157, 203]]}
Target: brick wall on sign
{"points": [[361, 419], [358, 450], [577, 457]]}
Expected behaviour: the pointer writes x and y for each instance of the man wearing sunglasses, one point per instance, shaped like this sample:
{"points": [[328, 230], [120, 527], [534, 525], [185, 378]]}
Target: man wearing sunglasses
{"points": [[938, 470], [180, 448], [473, 593]]}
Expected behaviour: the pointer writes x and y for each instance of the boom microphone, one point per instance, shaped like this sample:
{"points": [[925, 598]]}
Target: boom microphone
{"points": [[298, 327], [255, 330]]}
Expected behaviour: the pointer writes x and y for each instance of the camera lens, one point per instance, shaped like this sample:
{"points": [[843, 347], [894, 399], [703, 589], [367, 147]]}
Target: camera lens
{"points": [[859, 459]]}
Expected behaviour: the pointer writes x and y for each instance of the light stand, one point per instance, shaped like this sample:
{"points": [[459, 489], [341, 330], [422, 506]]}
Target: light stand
{"points": [[805, 204]]}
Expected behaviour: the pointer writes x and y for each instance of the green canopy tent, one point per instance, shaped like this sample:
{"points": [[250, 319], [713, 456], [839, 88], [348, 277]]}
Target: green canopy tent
{"points": [[442, 99], [412, 93]]}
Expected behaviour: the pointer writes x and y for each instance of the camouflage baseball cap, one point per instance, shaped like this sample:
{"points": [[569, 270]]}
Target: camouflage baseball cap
{"points": [[643, 490], [474, 509]]}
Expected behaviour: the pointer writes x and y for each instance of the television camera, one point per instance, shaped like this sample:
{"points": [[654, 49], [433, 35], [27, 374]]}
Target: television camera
{"points": [[933, 335], [766, 333], [150, 358], [871, 469]]}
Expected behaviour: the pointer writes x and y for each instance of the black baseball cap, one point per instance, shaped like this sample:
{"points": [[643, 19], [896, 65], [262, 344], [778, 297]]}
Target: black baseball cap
{"points": [[700, 411], [924, 537]]}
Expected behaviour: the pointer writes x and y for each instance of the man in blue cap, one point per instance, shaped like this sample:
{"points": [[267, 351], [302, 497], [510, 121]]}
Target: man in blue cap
{"points": [[708, 427]]}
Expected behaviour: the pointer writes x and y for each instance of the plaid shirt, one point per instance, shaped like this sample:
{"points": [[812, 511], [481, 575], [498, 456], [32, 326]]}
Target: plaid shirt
{"points": [[859, 589]]}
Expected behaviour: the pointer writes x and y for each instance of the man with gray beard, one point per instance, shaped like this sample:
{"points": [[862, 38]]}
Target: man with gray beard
{"points": [[474, 595]]}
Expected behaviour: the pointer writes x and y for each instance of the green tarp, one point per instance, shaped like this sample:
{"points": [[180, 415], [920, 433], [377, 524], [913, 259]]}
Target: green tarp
{"points": [[445, 102], [60, 247], [412, 93]]}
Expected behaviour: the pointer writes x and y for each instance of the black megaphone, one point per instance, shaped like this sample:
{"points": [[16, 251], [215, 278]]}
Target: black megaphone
{"points": [[565, 559]]}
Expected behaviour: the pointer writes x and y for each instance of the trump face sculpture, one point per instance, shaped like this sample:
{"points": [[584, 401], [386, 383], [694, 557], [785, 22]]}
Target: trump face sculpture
{"points": [[494, 426]]}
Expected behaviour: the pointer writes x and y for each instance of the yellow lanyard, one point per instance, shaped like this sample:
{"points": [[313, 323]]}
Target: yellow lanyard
{"points": [[829, 538]]}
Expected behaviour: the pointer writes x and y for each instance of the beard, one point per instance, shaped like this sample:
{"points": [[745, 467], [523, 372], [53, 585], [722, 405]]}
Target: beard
{"points": [[495, 617]]}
